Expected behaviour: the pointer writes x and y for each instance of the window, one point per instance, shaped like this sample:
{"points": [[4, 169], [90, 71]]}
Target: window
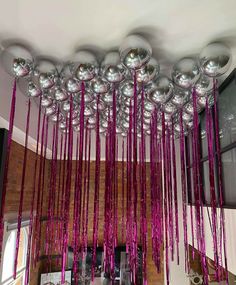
{"points": [[227, 127], [9, 255]]}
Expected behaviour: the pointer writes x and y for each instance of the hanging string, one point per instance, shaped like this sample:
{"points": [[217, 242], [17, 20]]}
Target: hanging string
{"points": [[123, 191], [84, 189], [209, 130], [198, 186], [75, 213], [143, 193], [59, 197], [165, 189], [67, 194], [42, 192], [33, 198], [9, 141], [22, 191], [96, 191], [87, 197], [220, 179], [184, 192], [175, 193]]}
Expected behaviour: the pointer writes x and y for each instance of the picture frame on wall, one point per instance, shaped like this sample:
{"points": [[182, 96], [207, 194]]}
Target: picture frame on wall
{"points": [[54, 278], [122, 269]]}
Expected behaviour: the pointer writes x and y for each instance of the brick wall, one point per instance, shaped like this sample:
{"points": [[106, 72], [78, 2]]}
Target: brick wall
{"points": [[13, 192], [12, 203], [153, 276]]}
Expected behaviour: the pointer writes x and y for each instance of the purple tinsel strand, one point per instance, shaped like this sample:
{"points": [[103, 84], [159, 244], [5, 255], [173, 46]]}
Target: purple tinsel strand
{"points": [[33, 198], [184, 192], [37, 224], [190, 188], [75, 213], [59, 196], [78, 189], [22, 191], [84, 190], [123, 191], [199, 190], [209, 130], [67, 195], [220, 179], [134, 253], [87, 198], [165, 198], [62, 208], [143, 192], [9, 141], [96, 192], [175, 193]]}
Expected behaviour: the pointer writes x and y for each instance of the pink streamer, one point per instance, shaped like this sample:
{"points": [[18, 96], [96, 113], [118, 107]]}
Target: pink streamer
{"points": [[32, 200], [22, 191], [9, 140]]}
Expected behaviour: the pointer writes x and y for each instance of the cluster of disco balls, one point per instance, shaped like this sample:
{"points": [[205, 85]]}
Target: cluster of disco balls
{"points": [[56, 82]]}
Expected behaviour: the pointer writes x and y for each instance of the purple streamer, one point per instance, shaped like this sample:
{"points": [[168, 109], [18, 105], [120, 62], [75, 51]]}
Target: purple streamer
{"points": [[22, 191], [96, 192], [9, 141], [220, 179], [32, 200]]}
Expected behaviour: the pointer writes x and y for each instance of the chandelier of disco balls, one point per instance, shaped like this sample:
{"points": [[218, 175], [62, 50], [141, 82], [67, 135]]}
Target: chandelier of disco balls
{"points": [[124, 95]]}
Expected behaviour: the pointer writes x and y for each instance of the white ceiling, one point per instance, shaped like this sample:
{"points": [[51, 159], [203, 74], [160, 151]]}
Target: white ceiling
{"points": [[175, 28]]}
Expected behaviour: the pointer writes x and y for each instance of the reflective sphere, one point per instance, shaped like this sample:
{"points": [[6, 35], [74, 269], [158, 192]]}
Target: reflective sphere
{"points": [[147, 114], [46, 101], [21, 67], [185, 72], [88, 111], [186, 117], [72, 85], [107, 98], [99, 85], [66, 106], [204, 85], [62, 125], [17, 60], [56, 117], [51, 110], [92, 120], [177, 128], [169, 108], [148, 106], [127, 88], [180, 97], [46, 80], [112, 68], [46, 72], [161, 90], [76, 128], [75, 121], [215, 59], [88, 98], [201, 101], [33, 90], [60, 94], [101, 106], [135, 52], [85, 66], [148, 72]]}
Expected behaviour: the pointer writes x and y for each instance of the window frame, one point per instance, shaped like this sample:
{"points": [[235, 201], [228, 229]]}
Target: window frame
{"points": [[222, 87], [9, 227]]}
